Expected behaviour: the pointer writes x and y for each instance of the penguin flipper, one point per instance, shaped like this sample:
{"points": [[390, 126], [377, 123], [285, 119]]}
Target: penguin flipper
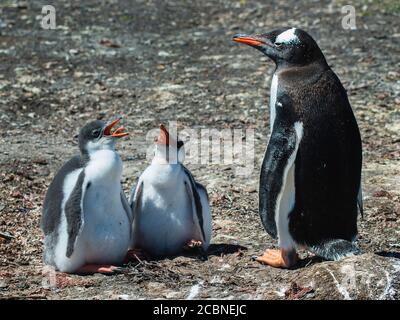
{"points": [[360, 202], [335, 249], [74, 212], [206, 210], [193, 194], [133, 192], [126, 206], [279, 156], [135, 198], [51, 213]]}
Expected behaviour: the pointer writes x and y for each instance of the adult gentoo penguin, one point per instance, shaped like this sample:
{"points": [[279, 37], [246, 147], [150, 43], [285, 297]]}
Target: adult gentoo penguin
{"points": [[310, 176], [86, 217], [171, 210]]}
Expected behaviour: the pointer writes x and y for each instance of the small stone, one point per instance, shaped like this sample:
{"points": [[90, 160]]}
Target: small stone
{"points": [[39, 160], [250, 189], [78, 74], [16, 194], [163, 54], [109, 44], [382, 194]]}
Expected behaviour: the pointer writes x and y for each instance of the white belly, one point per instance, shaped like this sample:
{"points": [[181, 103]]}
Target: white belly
{"points": [[105, 236], [106, 231], [163, 223]]}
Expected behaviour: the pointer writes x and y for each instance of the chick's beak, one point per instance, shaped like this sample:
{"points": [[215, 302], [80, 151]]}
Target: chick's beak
{"points": [[118, 133], [163, 137]]}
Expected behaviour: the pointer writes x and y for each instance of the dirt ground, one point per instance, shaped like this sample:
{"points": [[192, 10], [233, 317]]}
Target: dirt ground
{"points": [[154, 61]]}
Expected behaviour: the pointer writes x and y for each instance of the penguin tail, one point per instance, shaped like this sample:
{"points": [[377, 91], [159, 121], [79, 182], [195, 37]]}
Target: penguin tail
{"points": [[335, 249]]}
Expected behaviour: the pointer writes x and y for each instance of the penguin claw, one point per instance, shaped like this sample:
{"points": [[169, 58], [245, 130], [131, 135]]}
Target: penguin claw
{"points": [[196, 246], [118, 270], [193, 244]]}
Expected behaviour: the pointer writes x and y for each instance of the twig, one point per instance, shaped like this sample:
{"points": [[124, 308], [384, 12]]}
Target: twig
{"points": [[140, 261], [6, 236]]}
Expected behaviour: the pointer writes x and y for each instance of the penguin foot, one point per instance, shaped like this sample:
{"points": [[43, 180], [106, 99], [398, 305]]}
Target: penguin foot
{"points": [[279, 258], [98, 268], [196, 246], [193, 244]]}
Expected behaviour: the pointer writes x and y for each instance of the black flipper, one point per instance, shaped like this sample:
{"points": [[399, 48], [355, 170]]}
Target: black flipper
{"points": [[281, 147], [74, 212], [335, 249], [126, 206], [360, 201], [201, 187], [136, 197], [51, 215], [192, 190], [133, 194], [51, 212]]}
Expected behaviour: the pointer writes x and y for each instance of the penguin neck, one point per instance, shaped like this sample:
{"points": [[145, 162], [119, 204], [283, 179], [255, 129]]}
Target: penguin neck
{"points": [[301, 75], [104, 163], [167, 155], [85, 158], [164, 174], [161, 160]]}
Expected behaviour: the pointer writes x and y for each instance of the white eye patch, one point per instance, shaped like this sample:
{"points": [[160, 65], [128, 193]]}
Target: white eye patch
{"points": [[288, 37]]}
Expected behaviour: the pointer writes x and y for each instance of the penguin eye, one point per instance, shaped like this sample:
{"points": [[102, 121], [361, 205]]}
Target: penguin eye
{"points": [[96, 133], [278, 44]]}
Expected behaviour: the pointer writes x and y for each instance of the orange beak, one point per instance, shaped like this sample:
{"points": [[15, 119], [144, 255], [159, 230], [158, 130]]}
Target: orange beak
{"points": [[117, 133], [247, 40], [163, 137]]}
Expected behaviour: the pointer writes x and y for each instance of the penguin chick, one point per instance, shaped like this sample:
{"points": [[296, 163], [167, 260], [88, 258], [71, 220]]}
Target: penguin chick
{"points": [[86, 217], [171, 210]]}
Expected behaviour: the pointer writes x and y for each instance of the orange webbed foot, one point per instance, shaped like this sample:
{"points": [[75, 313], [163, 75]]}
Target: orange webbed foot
{"points": [[278, 258], [98, 268]]}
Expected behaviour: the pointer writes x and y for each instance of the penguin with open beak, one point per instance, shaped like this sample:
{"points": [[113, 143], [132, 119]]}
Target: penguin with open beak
{"points": [[310, 183], [171, 210], [86, 217]]}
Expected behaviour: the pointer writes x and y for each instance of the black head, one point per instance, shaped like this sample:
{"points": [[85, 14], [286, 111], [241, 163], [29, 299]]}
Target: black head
{"points": [[286, 46], [97, 135]]}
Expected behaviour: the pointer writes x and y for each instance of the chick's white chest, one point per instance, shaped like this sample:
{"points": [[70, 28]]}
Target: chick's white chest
{"points": [[164, 222], [106, 224]]}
